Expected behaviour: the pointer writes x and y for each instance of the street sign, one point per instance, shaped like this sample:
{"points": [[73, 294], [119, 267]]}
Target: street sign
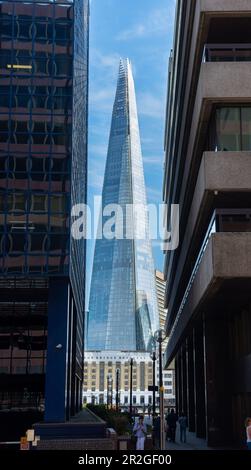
{"points": [[24, 444], [151, 388]]}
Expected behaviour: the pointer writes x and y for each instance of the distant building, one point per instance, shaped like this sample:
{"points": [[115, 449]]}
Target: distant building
{"points": [[99, 365], [123, 312]]}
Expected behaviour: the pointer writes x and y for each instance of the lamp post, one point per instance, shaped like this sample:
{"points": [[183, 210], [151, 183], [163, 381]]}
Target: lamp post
{"points": [[107, 396], [160, 336], [131, 366], [111, 391], [153, 357], [117, 390]]}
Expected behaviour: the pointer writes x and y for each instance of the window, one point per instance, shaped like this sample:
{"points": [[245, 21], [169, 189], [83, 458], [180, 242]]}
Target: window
{"points": [[232, 129]]}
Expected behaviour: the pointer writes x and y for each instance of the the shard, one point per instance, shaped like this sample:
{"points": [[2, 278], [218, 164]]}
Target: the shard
{"points": [[123, 313]]}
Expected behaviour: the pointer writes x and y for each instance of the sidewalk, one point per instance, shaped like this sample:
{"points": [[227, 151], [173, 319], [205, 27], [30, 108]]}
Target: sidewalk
{"points": [[193, 443]]}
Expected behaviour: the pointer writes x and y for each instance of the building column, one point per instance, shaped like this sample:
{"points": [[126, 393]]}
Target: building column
{"points": [[177, 398], [199, 380], [190, 385], [57, 345], [218, 384], [180, 391], [184, 379], [73, 400]]}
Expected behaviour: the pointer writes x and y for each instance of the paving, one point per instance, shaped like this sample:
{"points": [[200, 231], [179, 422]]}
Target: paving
{"points": [[193, 443]]}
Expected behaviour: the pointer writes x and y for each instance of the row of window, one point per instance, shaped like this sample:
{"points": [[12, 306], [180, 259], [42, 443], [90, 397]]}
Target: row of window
{"points": [[57, 31], [31, 103], [36, 242], [35, 90], [35, 127], [52, 68], [36, 139], [34, 163], [30, 202], [39, 8], [36, 265]]}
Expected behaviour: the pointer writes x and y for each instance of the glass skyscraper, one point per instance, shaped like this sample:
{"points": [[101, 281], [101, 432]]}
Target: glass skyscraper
{"points": [[43, 167], [123, 312]]}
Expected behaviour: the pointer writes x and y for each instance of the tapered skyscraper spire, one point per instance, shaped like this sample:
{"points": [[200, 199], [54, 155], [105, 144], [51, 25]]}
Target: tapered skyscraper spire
{"points": [[123, 308]]}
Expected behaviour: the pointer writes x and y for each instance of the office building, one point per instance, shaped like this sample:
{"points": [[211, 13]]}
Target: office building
{"points": [[123, 312], [43, 160], [208, 173], [100, 376]]}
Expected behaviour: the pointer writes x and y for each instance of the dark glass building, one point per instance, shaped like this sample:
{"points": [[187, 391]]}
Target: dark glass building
{"points": [[43, 168]]}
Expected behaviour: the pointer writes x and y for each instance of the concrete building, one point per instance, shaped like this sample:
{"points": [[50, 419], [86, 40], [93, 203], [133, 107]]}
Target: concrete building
{"points": [[100, 375], [168, 375], [208, 173]]}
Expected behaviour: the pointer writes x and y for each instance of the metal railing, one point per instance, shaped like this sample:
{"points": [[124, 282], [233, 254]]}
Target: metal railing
{"points": [[227, 53], [211, 229]]}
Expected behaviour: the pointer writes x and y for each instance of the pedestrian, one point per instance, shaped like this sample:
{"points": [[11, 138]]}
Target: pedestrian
{"points": [[183, 427], [171, 421], [140, 432], [149, 410], [248, 430]]}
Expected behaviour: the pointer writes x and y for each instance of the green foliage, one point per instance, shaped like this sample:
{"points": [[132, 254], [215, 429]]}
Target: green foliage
{"points": [[120, 422]]}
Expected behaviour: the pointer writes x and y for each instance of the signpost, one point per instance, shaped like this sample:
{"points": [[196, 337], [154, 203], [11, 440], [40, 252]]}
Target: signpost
{"points": [[24, 443]]}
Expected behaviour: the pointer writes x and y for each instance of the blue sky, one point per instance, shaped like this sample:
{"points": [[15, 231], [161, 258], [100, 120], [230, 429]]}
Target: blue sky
{"points": [[141, 30]]}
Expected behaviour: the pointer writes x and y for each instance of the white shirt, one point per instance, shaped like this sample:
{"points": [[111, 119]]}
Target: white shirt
{"points": [[249, 433]]}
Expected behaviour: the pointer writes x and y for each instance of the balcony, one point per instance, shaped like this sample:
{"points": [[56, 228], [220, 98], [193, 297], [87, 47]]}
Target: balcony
{"points": [[222, 270], [227, 53]]}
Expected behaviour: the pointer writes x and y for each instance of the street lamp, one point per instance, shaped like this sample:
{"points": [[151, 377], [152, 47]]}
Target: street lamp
{"points": [[159, 337], [153, 357], [131, 366], [109, 397], [117, 389]]}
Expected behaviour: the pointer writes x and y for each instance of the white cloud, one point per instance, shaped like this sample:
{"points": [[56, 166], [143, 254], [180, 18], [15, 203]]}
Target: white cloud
{"points": [[151, 160], [98, 149], [101, 99], [108, 62], [156, 23], [154, 194], [149, 105]]}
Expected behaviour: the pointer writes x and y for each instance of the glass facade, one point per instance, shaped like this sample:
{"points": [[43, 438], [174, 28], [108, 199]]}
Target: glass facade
{"points": [[231, 129], [123, 311], [43, 172]]}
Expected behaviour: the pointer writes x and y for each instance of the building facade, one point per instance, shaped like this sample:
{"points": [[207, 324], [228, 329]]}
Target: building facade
{"points": [[207, 172], [123, 306], [43, 160], [168, 375], [100, 376]]}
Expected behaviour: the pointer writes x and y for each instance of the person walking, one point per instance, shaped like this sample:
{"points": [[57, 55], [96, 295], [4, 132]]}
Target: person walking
{"points": [[248, 430], [171, 421], [140, 432], [183, 427]]}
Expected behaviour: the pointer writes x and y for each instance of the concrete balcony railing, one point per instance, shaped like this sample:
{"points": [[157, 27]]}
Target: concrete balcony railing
{"points": [[224, 258], [220, 174], [227, 53]]}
